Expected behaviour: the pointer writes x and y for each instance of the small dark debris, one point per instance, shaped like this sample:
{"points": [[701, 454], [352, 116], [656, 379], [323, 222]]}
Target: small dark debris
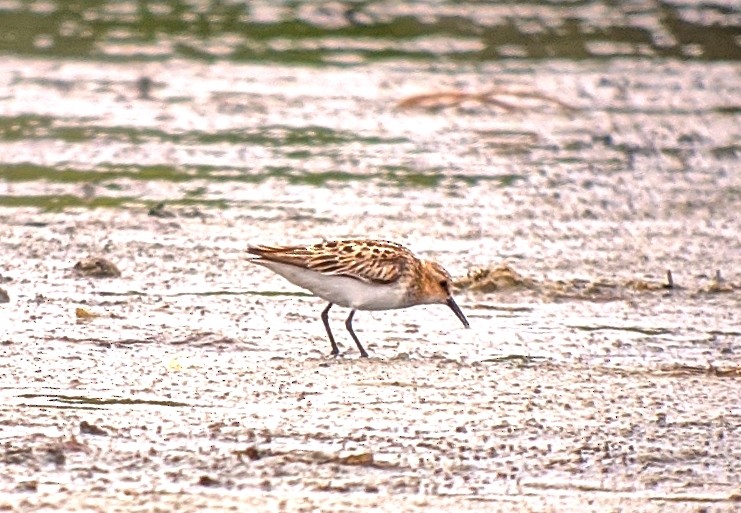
{"points": [[56, 456], [160, 210], [97, 267], [251, 452], [4, 297], [5, 279], [360, 459], [28, 486], [144, 87], [90, 429], [207, 481]]}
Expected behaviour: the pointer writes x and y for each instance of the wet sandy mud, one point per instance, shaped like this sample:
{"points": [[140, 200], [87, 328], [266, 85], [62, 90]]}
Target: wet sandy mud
{"points": [[586, 204], [195, 381]]}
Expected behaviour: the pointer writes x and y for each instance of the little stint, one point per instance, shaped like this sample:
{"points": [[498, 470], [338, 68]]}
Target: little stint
{"points": [[360, 274]]}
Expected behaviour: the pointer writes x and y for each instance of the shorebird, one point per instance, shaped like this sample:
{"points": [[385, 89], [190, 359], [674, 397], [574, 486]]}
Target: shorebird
{"points": [[360, 274]]}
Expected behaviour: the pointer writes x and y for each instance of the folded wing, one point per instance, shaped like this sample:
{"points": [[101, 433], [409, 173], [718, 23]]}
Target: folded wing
{"points": [[368, 261]]}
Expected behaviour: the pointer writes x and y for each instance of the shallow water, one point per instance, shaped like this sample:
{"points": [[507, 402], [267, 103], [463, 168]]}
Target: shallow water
{"points": [[195, 380]]}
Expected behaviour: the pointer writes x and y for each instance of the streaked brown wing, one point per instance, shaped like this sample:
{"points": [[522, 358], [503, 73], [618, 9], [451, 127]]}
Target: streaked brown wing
{"points": [[363, 266], [368, 261]]}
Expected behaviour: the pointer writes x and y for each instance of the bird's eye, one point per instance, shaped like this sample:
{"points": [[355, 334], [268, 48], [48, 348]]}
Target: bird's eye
{"points": [[444, 284]]}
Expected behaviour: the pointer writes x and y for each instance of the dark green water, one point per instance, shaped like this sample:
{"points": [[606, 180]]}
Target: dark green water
{"points": [[320, 32]]}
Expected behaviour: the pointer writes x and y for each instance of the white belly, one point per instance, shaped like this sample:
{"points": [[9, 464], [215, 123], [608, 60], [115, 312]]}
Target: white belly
{"points": [[341, 290]]}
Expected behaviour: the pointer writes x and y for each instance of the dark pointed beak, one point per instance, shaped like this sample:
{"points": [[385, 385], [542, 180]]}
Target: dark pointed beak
{"points": [[457, 311]]}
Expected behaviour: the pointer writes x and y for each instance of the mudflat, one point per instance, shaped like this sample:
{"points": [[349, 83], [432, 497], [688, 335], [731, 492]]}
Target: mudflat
{"points": [[586, 204]]}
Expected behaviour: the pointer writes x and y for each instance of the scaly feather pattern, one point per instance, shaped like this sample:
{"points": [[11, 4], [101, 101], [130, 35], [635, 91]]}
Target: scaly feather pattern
{"points": [[371, 261]]}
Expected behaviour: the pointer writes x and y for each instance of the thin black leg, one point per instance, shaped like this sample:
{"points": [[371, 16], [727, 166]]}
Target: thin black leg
{"points": [[348, 325], [325, 320]]}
